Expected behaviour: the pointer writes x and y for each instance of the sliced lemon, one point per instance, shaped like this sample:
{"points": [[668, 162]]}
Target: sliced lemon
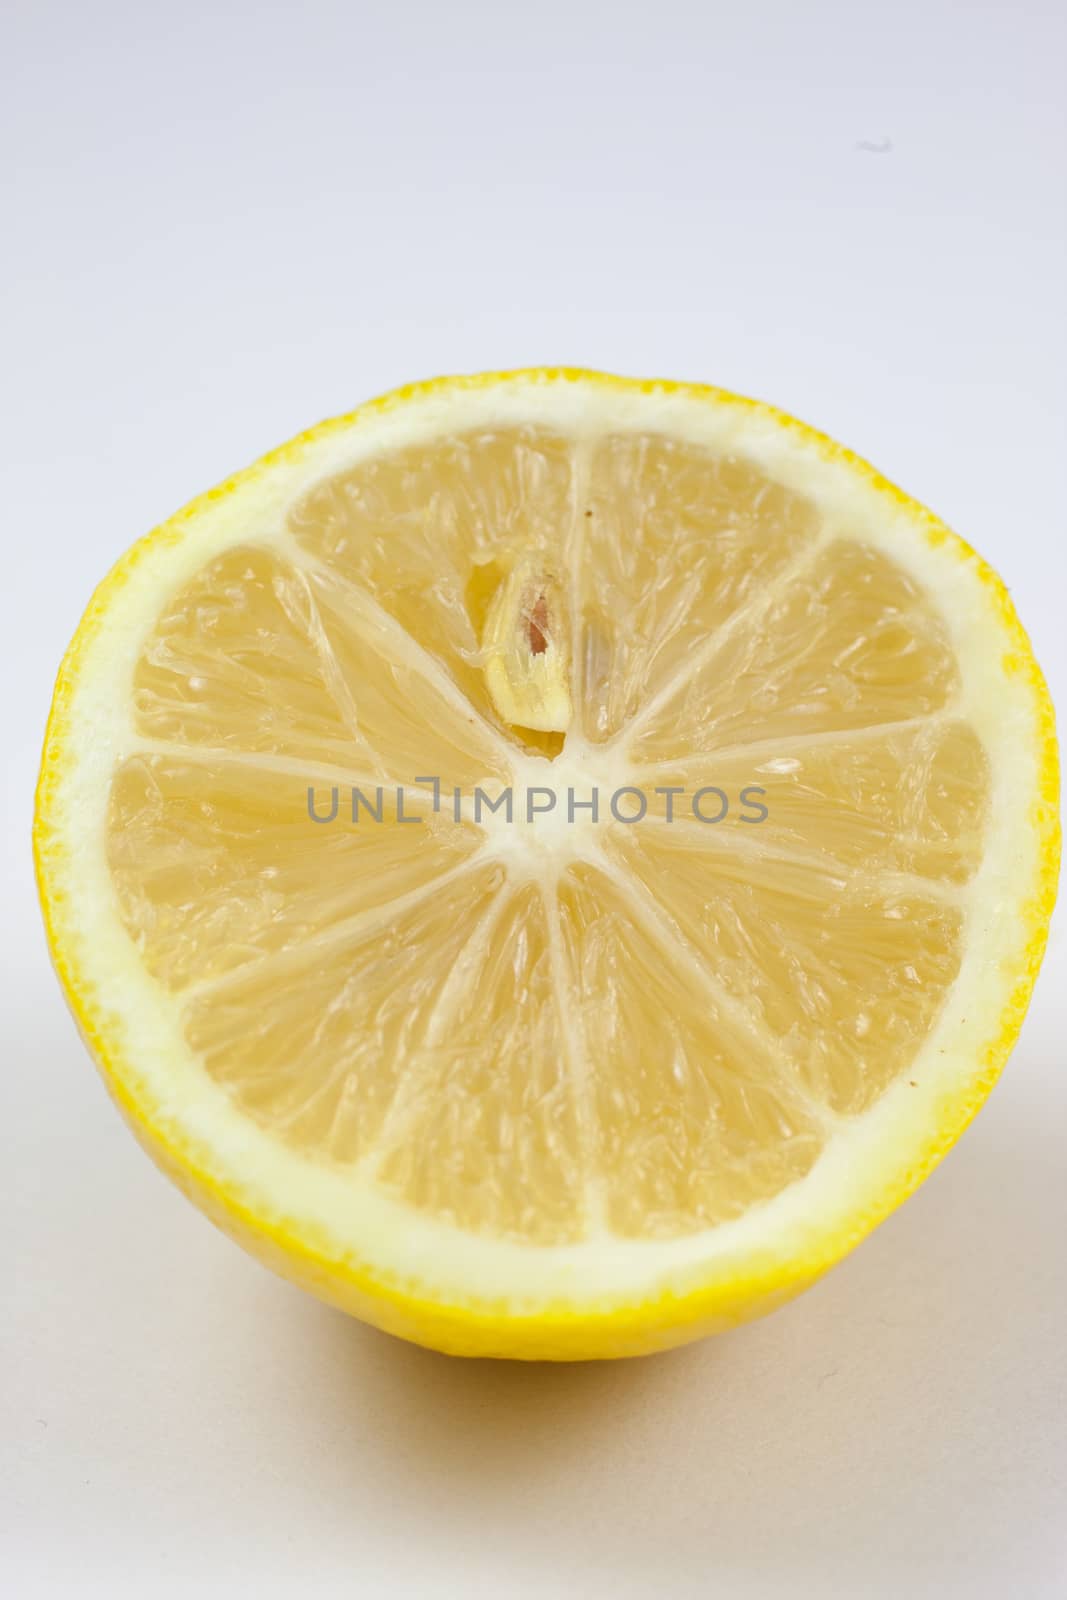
{"points": [[549, 861]]}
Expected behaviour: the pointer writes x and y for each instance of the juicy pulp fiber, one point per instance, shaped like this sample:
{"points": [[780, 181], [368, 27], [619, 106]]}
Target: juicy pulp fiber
{"points": [[534, 1031]]}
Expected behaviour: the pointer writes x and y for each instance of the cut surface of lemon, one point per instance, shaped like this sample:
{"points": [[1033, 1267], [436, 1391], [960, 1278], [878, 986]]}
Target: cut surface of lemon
{"points": [[549, 861]]}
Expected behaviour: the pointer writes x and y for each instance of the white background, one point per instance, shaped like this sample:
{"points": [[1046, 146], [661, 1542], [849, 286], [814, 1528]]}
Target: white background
{"points": [[224, 221]]}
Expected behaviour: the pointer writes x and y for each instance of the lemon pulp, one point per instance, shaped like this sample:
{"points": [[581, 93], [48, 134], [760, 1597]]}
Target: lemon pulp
{"points": [[552, 1032]]}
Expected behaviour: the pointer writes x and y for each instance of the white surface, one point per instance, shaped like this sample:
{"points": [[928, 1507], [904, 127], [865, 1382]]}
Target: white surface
{"points": [[225, 221]]}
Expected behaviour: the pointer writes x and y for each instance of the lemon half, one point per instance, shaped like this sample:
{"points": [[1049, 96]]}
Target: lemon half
{"points": [[493, 1064]]}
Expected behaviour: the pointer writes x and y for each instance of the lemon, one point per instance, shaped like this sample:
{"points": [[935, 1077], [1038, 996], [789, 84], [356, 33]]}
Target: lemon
{"points": [[549, 861]]}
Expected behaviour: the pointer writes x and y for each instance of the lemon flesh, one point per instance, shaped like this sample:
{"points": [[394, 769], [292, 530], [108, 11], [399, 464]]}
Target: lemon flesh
{"points": [[519, 1057]]}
